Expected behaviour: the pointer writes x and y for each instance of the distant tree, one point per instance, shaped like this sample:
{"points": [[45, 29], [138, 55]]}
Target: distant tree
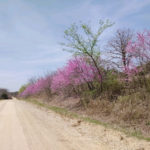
{"points": [[22, 88], [81, 40], [35, 87], [2, 90], [32, 80], [4, 94]]}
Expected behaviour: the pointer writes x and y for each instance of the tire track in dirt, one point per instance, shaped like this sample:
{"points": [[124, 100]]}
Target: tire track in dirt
{"points": [[51, 132]]}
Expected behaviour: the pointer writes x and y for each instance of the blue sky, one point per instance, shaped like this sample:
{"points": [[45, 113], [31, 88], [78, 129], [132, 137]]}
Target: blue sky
{"points": [[31, 30]]}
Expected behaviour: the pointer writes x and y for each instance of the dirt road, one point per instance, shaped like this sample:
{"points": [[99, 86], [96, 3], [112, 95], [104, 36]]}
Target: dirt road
{"points": [[23, 126]]}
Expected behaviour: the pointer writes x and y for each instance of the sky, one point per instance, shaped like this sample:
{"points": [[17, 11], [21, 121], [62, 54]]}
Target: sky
{"points": [[31, 32]]}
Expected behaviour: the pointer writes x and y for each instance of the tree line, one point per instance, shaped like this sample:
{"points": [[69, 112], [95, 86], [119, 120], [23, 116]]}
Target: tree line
{"points": [[123, 71]]}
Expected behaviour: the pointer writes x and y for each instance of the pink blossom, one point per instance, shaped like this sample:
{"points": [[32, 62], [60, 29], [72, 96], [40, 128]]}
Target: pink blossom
{"points": [[139, 52], [76, 72]]}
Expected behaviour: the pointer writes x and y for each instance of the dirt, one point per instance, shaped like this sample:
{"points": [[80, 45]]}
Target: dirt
{"points": [[133, 117], [24, 126]]}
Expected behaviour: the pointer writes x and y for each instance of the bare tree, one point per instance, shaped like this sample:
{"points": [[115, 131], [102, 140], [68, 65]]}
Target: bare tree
{"points": [[32, 80], [117, 48]]}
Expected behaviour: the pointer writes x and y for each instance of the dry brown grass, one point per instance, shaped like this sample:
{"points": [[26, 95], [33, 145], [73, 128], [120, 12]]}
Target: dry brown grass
{"points": [[131, 111]]}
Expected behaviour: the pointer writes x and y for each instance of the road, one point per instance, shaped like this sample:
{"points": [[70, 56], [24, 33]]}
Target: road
{"points": [[24, 126]]}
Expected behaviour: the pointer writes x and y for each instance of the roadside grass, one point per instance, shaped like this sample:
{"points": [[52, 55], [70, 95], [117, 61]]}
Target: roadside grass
{"points": [[66, 113]]}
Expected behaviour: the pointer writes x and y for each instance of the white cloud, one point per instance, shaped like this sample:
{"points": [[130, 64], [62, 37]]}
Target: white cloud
{"points": [[50, 61], [127, 8]]}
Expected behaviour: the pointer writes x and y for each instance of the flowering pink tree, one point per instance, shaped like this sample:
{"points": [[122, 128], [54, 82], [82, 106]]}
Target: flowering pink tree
{"points": [[42, 84], [76, 72], [140, 49], [139, 52]]}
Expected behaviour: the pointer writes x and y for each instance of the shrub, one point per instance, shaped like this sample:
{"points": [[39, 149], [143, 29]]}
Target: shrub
{"points": [[4, 96], [112, 86]]}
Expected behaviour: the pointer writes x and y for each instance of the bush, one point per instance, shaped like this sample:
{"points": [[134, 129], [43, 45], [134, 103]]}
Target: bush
{"points": [[148, 85], [112, 87], [133, 108], [4, 96]]}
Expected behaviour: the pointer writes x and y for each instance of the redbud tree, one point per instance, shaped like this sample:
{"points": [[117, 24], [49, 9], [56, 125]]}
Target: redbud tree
{"points": [[41, 85], [77, 71], [139, 51]]}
